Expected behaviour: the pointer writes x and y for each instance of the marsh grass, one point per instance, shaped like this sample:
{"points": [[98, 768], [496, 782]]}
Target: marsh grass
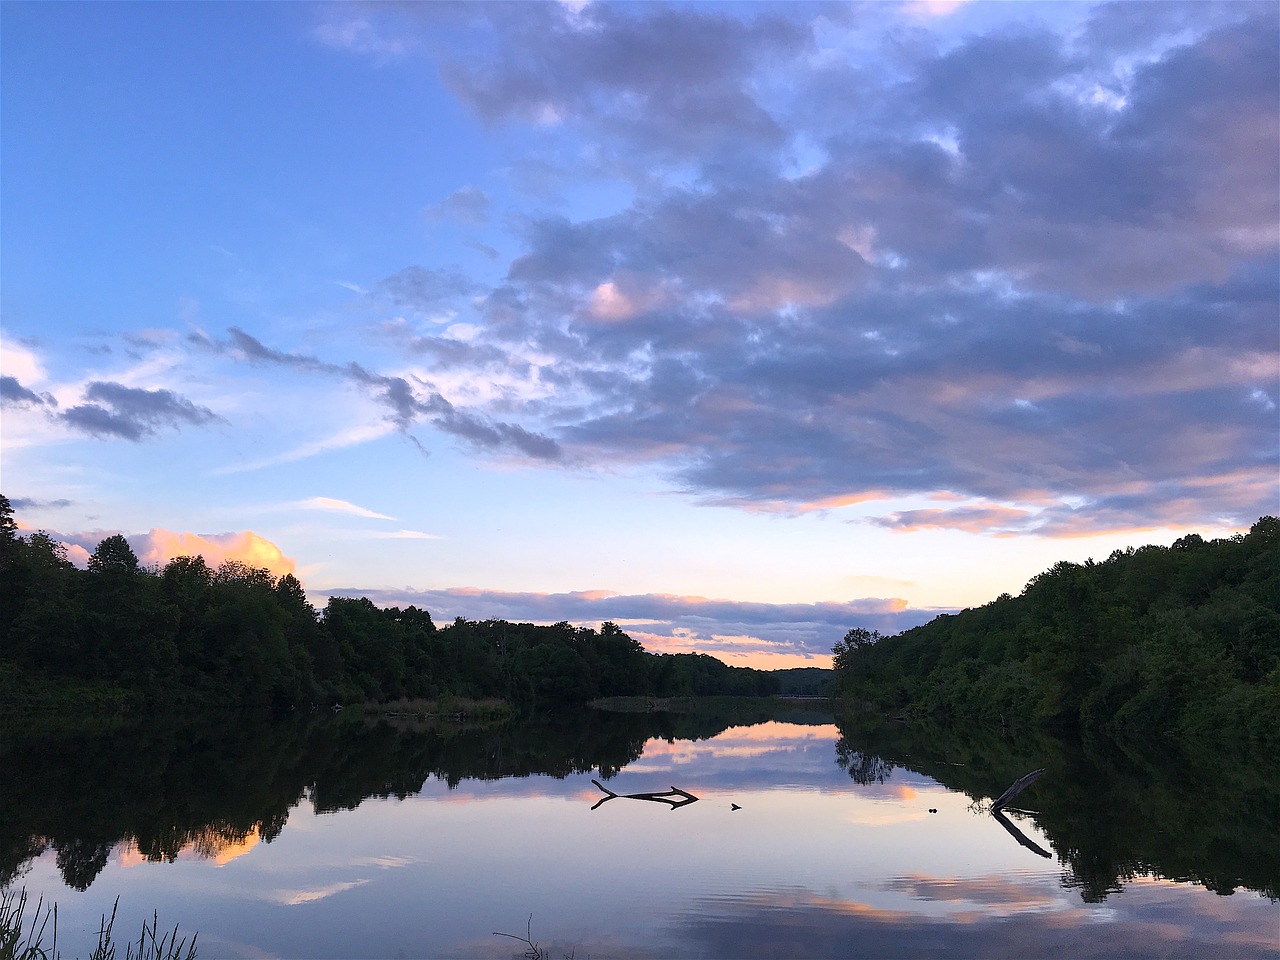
{"points": [[22, 941], [14, 944]]}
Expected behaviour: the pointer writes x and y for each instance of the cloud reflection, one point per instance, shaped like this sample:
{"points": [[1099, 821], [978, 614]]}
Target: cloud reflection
{"points": [[1019, 917], [292, 898]]}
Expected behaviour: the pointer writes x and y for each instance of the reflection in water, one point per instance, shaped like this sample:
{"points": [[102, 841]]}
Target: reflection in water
{"points": [[171, 790], [1018, 835], [864, 768], [1109, 816], [335, 837], [207, 789], [988, 917], [665, 796], [218, 846]]}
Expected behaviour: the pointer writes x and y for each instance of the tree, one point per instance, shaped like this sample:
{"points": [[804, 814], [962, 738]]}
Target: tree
{"points": [[14, 579], [855, 642], [8, 526], [46, 627], [114, 556]]}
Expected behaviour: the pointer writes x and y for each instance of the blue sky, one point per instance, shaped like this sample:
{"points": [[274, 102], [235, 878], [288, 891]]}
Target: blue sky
{"points": [[737, 324]]}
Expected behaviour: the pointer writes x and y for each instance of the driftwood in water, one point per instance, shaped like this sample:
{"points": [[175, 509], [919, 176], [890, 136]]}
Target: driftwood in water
{"points": [[1019, 835], [1018, 786], [666, 796]]}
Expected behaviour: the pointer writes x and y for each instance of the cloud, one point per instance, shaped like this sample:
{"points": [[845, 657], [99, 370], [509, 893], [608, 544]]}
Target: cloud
{"points": [[978, 916], [968, 518], [293, 898], [361, 35], [833, 258], [427, 290], [19, 361], [740, 632], [1018, 236], [13, 393], [158, 547], [131, 413], [408, 403], [932, 8], [467, 205], [663, 80], [30, 503], [340, 506]]}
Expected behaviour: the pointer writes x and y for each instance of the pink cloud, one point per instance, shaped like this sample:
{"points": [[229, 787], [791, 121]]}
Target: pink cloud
{"points": [[160, 546]]}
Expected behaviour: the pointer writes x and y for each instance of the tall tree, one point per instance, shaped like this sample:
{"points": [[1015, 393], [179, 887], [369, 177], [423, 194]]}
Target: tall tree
{"points": [[114, 556]]}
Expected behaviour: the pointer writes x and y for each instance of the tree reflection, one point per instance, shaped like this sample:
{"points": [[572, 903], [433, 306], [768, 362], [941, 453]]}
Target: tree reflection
{"points": [[207, 788], [864, 768], [1109, 815], [81, 861]]}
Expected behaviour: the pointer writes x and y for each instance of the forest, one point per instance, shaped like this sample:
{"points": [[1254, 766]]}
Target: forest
{"points": [[120, 638], [1178, 642]]}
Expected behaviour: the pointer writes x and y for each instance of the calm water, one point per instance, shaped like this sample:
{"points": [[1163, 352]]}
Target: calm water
{"points": [[348, 839]]}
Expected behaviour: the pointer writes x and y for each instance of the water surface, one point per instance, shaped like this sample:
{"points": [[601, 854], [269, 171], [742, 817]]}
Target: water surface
{"points": [[317, 838]]}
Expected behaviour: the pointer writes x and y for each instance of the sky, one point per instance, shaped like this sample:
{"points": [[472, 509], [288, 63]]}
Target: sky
{"points": [[736, 324]]}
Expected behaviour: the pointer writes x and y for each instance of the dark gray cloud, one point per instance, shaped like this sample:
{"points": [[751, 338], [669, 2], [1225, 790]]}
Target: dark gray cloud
{"points": [[131, 413], [1032, 267], [13, 393], [665, 80], [30, 503], [255, 350]]}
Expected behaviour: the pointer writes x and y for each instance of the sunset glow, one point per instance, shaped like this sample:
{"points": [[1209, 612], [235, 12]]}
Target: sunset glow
{"points": [[737, 325]]}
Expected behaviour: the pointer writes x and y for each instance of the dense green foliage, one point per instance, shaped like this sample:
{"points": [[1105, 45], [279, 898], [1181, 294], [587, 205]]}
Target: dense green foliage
{"points": [[118, 637], [805, 682], [1180, 642]]}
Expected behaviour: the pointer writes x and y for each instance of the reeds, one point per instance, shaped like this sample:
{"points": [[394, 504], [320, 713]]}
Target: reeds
{"points": [[14, 944], [17, 944]]}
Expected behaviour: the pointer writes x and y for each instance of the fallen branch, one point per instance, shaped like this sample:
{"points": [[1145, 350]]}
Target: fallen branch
{"points": [[1018, 786], [666, 796]]}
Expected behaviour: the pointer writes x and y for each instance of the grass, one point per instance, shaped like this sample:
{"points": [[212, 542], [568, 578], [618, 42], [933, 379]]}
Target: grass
{"points": [[20, 940]]}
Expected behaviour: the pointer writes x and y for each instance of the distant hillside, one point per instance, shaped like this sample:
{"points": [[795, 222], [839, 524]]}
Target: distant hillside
{"points": [[1178, 642], [805, 681]]}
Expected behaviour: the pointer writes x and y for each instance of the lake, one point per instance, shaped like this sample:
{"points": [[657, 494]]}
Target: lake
{"points": [[348, 837]]}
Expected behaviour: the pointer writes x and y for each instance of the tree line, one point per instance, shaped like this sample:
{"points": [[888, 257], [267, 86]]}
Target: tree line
{"points": [[1180, 642], [118, 636]]}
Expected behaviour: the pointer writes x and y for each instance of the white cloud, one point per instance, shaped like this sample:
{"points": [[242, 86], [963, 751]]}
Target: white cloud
{"points": [[340, 506], [17, 360]]}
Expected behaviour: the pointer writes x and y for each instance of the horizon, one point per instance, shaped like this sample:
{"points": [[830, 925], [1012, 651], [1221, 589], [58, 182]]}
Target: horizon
{"points": [[737, 325]]}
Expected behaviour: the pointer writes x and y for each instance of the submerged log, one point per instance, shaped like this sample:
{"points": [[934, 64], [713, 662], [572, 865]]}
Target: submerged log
{"points": [[1018, 786], [665, 796]]}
